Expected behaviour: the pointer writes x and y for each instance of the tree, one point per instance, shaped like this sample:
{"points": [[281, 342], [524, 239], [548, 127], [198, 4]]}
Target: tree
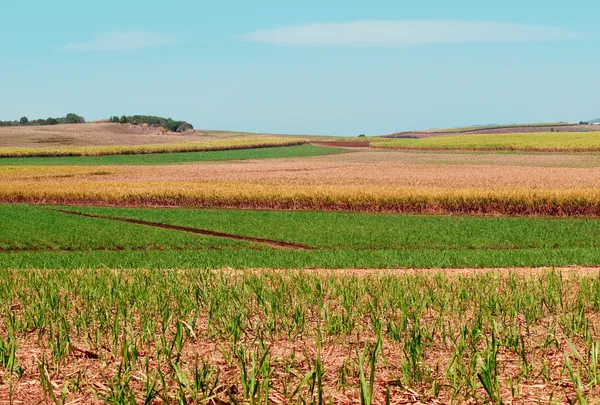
{"points": [[74, 119], [24, 121], [123, 120]]}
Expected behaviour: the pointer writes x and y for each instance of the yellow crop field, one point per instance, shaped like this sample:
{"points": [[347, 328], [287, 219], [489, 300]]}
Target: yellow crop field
{"points": [[504, 201], [536, 141], [192, 146]]}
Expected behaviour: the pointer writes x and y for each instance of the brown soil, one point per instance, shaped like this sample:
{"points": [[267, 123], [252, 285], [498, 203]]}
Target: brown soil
{"points": [[272, 243], [96, 134]]}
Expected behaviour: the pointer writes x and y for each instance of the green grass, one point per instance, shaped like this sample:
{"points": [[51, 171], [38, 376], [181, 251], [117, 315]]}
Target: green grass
{"points": [[174, 157], [562, 141], [341, 240]]}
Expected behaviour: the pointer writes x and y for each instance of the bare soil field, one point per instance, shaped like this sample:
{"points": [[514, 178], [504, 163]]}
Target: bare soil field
{"points": [[97, 134]]}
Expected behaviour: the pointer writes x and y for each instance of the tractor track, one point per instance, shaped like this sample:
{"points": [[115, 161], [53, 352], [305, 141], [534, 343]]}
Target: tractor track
{"points": [[206, 232]]}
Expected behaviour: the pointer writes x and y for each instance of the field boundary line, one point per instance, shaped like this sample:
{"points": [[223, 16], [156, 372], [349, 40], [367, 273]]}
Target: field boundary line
{"points": [[206, 232]]}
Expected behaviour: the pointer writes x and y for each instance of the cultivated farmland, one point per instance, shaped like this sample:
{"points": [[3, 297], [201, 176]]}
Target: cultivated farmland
{"points": [[535, 141], [228, 268], [104, 336], [402, 182]]}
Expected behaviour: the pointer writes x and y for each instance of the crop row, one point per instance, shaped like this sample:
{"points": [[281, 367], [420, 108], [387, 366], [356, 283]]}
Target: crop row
{"points": [[215, 194], [193, 146], [194, 336]]}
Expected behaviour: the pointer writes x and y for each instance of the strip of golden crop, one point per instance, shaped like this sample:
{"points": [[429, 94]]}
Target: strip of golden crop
{"points": [[192, 146], [539, 141], [367, 181]]}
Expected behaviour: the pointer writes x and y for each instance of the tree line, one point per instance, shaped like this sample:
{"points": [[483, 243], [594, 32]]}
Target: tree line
{"points": [[154, 121], [24, 121]]}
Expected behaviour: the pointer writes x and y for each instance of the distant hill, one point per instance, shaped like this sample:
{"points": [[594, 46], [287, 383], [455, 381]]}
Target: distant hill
{"points": [[596, 121]]}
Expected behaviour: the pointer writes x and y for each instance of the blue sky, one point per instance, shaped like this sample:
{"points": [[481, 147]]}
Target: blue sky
{"points": [[318, 67]]}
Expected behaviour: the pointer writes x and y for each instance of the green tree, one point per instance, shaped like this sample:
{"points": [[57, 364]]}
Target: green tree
{"points": [[74, 119], [24, 121]]}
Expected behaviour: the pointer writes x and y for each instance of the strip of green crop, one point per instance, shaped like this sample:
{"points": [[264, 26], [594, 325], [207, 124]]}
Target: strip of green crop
{"points": [[28, 228], [31, 236], [336, 230], [289, 259], [175, 157]]}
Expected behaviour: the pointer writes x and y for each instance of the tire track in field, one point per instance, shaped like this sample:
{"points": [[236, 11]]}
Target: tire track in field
{"points": [[206, 232]]}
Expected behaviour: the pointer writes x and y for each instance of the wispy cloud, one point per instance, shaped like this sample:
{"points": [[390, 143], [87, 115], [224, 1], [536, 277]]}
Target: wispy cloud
{"points": [[121, 41], [408, 32]]}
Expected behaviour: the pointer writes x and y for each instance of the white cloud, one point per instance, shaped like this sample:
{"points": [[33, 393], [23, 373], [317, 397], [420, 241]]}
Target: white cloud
{"points": [[408, 32], [121, 41]]}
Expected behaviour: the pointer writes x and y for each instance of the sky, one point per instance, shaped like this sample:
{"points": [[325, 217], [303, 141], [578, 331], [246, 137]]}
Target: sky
{"points": [[324, 67]]}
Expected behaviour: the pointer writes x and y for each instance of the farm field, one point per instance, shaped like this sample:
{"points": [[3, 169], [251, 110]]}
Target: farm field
{"points": [[200, 336], [105, 134], [191, 146], [172, 158], [392, 181], [56, 237], [302, 270], [537, 141], [499, 129]]}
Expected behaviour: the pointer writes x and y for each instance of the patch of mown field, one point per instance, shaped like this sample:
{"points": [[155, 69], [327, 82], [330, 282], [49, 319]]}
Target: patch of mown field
{"points": [[192, 146], [197, 336], [43, 237], [174, 157], [543, 142]]}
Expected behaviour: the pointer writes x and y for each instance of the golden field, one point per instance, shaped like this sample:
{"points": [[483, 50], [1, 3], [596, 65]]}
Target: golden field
{"points": [[194, 145], [538, 141], [367, 181]]}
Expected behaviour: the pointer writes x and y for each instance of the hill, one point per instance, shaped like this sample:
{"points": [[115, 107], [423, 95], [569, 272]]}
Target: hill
{"points": [[500, 129], [93, 134], [596, 121]]}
